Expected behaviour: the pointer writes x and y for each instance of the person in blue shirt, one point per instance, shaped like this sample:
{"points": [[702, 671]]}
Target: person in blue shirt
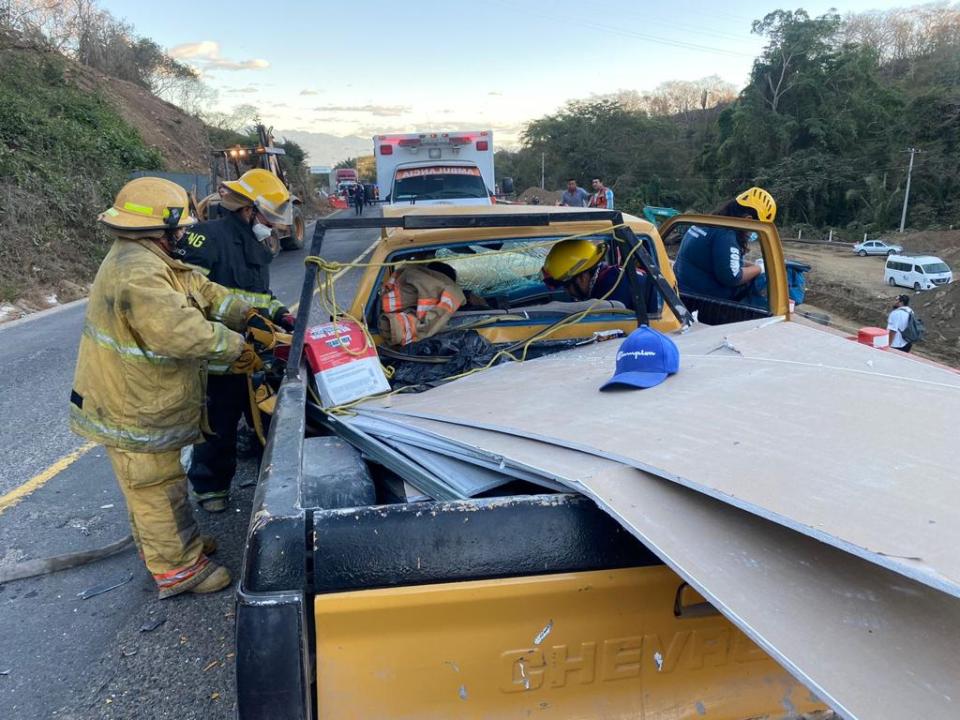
{"points": [[577, 266], [711, 259]]}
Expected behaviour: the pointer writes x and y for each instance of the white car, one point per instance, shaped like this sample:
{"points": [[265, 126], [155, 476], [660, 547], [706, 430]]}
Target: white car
{"points": [[924, 272], [876, 247]]}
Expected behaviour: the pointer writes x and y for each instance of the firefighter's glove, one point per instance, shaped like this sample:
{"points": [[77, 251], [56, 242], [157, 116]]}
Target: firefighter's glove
{"points": [[260, 332], [285, 319], [248, 362]]}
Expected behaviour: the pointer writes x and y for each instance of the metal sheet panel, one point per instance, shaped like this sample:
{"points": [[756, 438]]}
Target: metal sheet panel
{"points": [[787, 422], [866, 640]]}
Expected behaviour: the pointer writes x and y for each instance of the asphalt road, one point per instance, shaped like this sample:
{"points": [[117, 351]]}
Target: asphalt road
{"points": [[65, 657]]}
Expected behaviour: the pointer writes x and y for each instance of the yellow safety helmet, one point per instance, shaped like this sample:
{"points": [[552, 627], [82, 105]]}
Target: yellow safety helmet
{"points": [[148, 206], [569, 258], [761, 201], [266, 192]]}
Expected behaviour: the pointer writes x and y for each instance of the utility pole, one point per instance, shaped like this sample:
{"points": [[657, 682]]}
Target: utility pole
{"points": [[906, 194], [542, 166]]}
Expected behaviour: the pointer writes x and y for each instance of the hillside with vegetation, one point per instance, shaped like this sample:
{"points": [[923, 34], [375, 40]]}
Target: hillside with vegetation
{"points": [[84, 102], [832, 105]]}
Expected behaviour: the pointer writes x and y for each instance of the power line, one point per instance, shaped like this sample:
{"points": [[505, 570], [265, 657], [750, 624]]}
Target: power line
{"points": [[656, 39]]}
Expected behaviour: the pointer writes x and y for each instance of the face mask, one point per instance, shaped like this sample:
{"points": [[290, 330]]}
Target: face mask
{"points": [[261, 231]]}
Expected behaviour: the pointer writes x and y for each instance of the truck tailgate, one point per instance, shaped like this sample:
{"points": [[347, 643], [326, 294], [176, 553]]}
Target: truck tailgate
{"points": [[598, 644]]}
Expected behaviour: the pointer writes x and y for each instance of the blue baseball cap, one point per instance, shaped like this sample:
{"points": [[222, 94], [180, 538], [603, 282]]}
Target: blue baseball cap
{"points": [[644, 359]]}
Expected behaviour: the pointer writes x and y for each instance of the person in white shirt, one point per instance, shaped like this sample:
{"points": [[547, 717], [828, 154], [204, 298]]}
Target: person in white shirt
{"points": [[897, 322]]}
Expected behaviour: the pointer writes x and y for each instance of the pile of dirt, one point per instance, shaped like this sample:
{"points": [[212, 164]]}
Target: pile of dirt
{"points": [[852, 291], [536, 196], [181, 139], [69, 138], [945, 244], [940, 311]]}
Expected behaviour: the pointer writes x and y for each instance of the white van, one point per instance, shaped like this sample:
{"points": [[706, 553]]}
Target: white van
{"points": [[924, 272]]}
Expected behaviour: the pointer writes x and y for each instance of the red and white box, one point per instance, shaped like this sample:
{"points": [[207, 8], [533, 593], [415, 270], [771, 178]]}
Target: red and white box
{"points": [[341, 377], [873, 336]]}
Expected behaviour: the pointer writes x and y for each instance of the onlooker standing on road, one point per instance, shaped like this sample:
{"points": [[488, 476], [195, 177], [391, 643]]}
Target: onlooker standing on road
{"points": [[358, 198], [897, 322], [574, 196], [602, 196]]}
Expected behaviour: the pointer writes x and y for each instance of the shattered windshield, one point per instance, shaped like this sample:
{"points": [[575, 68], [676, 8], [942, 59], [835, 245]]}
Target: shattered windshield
{"points": [[487, 271]]}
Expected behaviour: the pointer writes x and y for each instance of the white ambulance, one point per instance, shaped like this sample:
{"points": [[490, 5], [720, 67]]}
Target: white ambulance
{"points": [[436, 168]]}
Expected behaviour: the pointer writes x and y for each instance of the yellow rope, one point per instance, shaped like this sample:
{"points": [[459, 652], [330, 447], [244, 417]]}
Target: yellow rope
{"points": [[546, 332]]}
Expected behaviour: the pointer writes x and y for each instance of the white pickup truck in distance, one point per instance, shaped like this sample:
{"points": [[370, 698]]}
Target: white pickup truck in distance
{"points": [[441, 168]]}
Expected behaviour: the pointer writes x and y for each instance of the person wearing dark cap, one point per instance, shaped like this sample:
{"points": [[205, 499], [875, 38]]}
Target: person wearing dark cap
{"points": [[897, 322]]}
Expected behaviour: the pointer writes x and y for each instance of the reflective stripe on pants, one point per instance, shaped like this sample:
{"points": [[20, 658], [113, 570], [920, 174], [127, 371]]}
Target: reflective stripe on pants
{"points": [[161, 519]]}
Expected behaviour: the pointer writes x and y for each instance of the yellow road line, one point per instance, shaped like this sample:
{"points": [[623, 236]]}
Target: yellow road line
{"points": [[358, 258], [41, 479]]}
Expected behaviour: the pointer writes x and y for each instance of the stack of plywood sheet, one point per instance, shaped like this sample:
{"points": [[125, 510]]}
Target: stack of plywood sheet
{"points": [[778, 472]]}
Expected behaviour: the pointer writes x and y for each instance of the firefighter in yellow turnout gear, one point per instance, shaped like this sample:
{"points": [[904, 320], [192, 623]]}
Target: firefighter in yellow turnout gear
{"points": [[152, 324]]}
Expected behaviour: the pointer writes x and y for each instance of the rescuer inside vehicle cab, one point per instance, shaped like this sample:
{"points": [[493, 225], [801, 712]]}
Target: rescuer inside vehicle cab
{"points": [[577, 267], [152, 324], [232, 251], [711, 259]]}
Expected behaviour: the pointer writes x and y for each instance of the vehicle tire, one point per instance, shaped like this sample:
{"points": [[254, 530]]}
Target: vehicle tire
{"points": [[862, 253], [892, 282], [297, 232], [916, 286], [891, 252]]}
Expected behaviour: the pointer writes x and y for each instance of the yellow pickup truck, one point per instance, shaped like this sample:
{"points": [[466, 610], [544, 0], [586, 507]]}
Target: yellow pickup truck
{"points": [[362, 597]]}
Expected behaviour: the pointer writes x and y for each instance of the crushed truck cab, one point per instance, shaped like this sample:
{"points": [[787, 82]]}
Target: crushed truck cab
{"points": [[360, 598]]}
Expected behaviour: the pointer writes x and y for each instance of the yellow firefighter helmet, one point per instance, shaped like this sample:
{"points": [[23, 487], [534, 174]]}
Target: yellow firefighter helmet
{"points": [[266, 192], [569, 258], [148, 206]]}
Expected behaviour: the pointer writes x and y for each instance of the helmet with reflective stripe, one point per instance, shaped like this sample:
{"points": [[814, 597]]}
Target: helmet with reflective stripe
{"points": [[264, 190], [761, 201], [569, 258], [148, 205]]}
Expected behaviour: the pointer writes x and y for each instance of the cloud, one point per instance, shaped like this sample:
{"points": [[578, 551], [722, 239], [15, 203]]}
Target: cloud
{"points": [[378, 110], [247, 89], [310, 92], [202, 49], [494, 92], [205, 55]]}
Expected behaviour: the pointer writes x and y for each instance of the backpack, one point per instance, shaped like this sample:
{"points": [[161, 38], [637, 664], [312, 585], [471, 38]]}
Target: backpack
{"points": [[914, 330]]}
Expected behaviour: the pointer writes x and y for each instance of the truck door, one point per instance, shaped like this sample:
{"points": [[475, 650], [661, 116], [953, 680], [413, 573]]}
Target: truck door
{"points": [[766, 296]]}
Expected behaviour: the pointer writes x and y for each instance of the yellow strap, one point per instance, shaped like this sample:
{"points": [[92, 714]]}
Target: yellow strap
{"points": [[255, 411]]}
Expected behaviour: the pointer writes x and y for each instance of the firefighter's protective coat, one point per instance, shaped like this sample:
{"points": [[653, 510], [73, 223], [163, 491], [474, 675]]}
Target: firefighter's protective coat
{"points": [[417, 303], [152, 322]]}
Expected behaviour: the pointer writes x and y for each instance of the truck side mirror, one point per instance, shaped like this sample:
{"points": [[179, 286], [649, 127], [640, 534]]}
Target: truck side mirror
{"points": [[506, 185]]}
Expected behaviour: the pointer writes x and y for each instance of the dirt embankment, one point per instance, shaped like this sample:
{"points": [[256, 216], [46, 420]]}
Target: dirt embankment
{"points": [[69, 138], [852, 289], [536, 196], [181, 139]]}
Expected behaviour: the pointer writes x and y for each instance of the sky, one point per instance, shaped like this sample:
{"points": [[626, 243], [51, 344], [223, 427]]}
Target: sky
{"points": [[363, 68]]}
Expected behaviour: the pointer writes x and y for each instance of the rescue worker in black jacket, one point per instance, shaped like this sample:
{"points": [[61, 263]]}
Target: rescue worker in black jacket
{"points": [[231, 250]]}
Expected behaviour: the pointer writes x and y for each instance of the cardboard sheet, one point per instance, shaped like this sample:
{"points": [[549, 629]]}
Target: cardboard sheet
{"points": [[849, 445], [866, 640]]}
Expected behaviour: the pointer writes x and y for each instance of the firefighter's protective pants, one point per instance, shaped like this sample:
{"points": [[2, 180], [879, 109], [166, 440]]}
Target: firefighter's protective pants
{"points": [[214, 462], [161, 519]]}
